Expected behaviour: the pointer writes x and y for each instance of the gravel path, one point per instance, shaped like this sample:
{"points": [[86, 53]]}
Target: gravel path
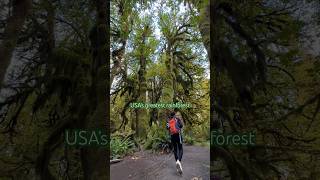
{"points": [[149, 166]]}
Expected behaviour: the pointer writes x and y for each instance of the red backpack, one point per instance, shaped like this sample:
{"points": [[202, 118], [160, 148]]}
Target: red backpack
{"points": [[173, 127]]}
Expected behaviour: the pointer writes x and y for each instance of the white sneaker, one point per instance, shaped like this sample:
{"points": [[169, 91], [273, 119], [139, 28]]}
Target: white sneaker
{"points": [[179, 167]]}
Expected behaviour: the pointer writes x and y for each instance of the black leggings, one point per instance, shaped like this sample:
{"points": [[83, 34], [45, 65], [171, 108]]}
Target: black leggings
{"points": [[177, 146]]}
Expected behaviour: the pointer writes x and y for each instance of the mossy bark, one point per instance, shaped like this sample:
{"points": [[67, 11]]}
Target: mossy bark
{"points": [[168, 87], [142, 114], [95, 160]]}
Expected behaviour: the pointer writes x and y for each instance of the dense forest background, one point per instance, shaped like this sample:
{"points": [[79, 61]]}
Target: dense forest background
{"points": [[58, 78], [264, 77], [158, 56]]}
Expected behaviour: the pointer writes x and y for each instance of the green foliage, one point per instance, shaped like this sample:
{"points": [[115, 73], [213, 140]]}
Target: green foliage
{"points": [[176, 65], [189, 140], [157, 138], [120, 147]]}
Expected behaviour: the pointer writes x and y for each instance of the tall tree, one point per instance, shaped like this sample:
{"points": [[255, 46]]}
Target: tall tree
{"points": [[246, 39], [122, 26], [20, 11], [95, 161], [141, 114]]}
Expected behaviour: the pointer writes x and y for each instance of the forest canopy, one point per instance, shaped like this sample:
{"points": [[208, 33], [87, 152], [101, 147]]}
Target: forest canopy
{"points": [[261, 82], [158, 56]]}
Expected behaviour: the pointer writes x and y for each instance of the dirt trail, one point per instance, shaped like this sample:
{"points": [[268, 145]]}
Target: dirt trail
{"points": [[148, 166]]}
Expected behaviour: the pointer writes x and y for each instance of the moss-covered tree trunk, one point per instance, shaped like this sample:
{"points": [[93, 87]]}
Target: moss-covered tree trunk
{"points": [[20, 10], [168, 87], [142, 113], [204, 24], [95, 160], [43, 160], [209, 32]]}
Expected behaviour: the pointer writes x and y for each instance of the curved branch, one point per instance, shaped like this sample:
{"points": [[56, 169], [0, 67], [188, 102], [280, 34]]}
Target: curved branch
{"points": [[75, 29], [232, 21], [283, 70]]}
